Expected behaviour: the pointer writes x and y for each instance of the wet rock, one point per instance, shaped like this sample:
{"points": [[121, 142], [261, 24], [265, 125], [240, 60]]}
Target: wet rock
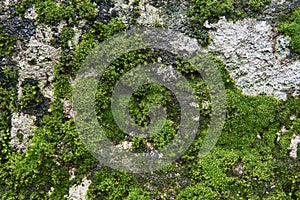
{"points": [[104, 11]]}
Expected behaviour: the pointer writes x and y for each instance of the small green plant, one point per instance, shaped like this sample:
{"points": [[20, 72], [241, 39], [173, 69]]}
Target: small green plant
{"points": [[8, 93]]}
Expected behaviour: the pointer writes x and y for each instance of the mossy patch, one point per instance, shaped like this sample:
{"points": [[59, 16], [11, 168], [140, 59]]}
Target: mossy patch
{"points": [[8, 92], [248, 141], [290, 26]]}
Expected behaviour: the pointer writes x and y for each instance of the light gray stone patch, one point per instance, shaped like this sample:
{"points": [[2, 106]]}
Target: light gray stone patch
{"points": [[78, 192], [294, 146], [37, 59], [123, 9], [31, 13], [68, 109], [149, 15], [125, 145], [22, 130], [256, 57], [168, 73]]}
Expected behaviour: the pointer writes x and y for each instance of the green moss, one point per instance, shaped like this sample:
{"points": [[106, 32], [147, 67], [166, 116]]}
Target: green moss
{"points": [[50, 12], [8, 93], [6, 43], [290, 26], [212, 10], [30, 96], [66, 35], [56, 147], [113, 185], [86, 9]]}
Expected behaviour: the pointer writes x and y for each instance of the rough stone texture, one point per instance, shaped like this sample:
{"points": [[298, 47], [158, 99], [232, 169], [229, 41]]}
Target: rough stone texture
{"points": [[125, 145], [256, 57], [149, 14], [123, 9], [68, 109], [78, 192], [22, 130], [37, 59], [169, 13], [31, 13], [294, 145]]}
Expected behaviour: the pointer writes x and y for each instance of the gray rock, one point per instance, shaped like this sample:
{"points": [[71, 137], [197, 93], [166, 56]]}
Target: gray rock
{"points": [[256, 57], [22, 130]]}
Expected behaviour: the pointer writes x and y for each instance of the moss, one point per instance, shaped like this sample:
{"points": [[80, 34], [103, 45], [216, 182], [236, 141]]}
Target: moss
{"points": [[290, 26], [113, 185], [86, 9], [6, 43], [8, 92], [50, 12], [212, 10], [30, 96], [66, 35]]}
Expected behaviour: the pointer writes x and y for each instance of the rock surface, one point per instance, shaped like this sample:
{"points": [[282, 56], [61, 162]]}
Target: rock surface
{"points": [[22, 130], [256, 57], [78, 192], [36, 60]]}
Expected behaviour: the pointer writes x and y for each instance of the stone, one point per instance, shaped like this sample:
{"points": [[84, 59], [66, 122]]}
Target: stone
{"points": [[78, 192], [22, 130], [256, 57]]}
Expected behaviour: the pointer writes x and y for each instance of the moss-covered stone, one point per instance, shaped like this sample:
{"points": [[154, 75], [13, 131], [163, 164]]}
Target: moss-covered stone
{"points": [[248, 162]]}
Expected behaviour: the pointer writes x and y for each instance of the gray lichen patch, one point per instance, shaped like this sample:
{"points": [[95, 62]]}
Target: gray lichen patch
{"points": [[78, 192], [149, 14], [256, 57], [22, 130], [68, 109], [295, 141], [154, 13], [31, 13], [37, 59]]}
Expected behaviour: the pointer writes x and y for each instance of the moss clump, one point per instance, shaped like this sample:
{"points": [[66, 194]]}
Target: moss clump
{"points": [[266, 172], [54, 149], [50, 12], [6, 43], [86, 9], [290, 26], [8, 92], [66, 35], [8, 96], [115, 185], [30, 96]]}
